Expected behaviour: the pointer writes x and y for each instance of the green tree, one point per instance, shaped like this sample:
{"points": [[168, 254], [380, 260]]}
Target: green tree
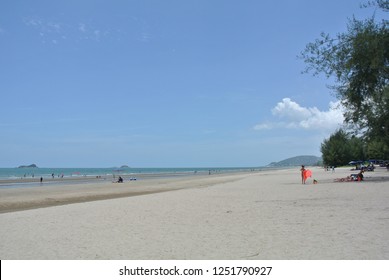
{"points": [[377, 149], [383, 4], [359, 61], [336, 149], [357, 148]]}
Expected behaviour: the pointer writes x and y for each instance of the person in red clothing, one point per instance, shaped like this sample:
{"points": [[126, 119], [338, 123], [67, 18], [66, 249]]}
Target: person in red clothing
{"points": [[302, 174]]}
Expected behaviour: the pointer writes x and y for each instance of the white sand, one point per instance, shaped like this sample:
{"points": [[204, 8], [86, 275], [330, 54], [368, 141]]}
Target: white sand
{"points": [[266, 215]]}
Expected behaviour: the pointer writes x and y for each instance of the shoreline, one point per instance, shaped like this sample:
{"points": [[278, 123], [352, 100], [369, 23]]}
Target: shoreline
{"points": [[14, 182], [33, 175], [69, 191], [34, 182]]}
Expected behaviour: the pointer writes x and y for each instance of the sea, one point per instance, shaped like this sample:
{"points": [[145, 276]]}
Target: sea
{"points": [[21, 173]]}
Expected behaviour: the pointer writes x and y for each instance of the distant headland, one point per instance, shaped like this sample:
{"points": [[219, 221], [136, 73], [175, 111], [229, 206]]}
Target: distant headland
{"points": [[296, 161], [28, 166]]}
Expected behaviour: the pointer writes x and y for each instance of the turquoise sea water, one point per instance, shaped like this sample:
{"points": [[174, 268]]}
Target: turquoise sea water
{"points": [[19, 173]]}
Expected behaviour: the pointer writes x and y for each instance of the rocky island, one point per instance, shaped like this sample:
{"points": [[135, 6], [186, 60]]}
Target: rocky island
{"points": [[28, 166]]}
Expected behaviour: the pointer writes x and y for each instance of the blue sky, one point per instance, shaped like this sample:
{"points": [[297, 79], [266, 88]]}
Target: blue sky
{"points": [[173, 83]]}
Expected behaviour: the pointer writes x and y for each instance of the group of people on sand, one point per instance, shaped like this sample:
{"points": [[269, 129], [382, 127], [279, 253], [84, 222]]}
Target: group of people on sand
{"points": [[352, 178]]}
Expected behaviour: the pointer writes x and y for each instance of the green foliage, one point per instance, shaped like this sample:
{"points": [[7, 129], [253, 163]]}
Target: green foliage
{"points": [[377, 149], [342, 147], [359, 61], [383, 4], [337, 150], [357, 148]]}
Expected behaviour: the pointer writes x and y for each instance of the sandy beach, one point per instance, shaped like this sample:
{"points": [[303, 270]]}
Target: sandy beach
{"points": [[258, 215]]}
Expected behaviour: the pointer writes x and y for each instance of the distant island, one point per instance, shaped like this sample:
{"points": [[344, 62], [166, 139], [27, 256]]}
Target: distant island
{"points": [[124, 166], [297, 161], [28, 166]]}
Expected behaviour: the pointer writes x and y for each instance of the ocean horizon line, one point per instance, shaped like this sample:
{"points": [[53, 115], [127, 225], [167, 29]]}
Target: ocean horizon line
{"points": [[127, 166]]}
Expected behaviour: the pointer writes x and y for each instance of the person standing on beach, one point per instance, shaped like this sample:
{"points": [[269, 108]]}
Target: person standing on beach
{"points": [[302, 174]]}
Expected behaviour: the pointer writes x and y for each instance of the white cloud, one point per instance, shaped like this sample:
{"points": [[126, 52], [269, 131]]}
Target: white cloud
{"points": [[293, 116], [289, 109], [48, 31]]}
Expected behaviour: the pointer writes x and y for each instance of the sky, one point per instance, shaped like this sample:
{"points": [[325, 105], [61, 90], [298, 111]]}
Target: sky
{"points": [[173, 83]]}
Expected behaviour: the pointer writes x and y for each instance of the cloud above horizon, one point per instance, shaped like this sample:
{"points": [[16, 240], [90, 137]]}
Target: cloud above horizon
{"points": [[60, 29], [56, 31], [292, 115]]}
